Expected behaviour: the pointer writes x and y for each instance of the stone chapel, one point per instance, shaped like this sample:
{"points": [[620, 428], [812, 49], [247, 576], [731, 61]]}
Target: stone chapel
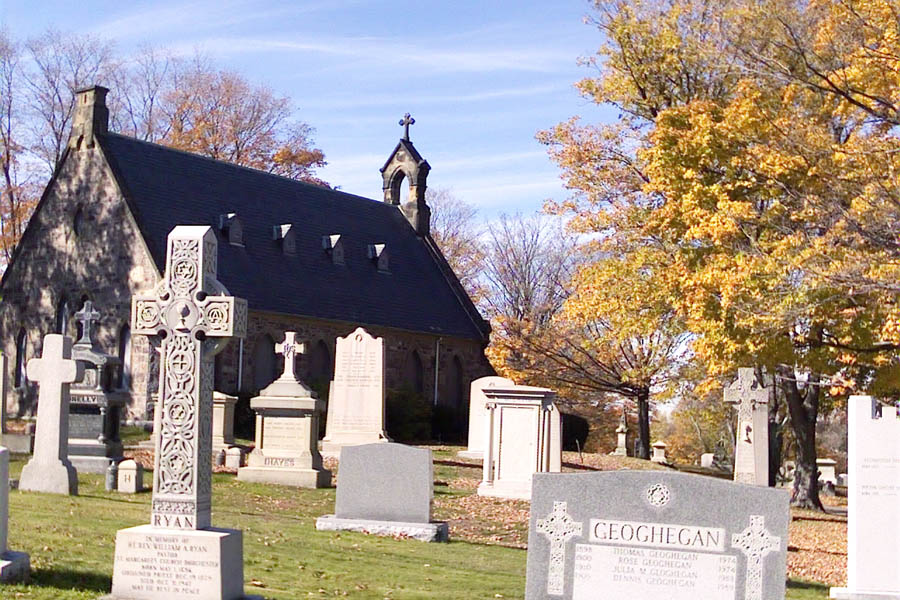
{"points": [[307, 258]]}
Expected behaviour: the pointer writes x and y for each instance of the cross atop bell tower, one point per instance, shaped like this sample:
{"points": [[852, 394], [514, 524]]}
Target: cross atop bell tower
{"points": [[405, 163]]}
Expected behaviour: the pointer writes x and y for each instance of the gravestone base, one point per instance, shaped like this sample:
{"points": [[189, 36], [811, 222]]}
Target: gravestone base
{"points": [[436, 531], [91, 464], [331, 448], [513, 490], [303, 478], [58, 478], [473, 454], [18, 443], [157, 564], [847, 594], [14, 566]]}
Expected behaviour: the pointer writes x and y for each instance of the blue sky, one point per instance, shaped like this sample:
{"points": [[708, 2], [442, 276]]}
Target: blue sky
{"points": [[480, 77]]}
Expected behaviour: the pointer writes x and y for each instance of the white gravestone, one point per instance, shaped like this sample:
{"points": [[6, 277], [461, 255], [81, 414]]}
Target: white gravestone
{"points": [[659, 453], [179, 555], [49, 469], [827, 473], [223, 421], [13, 565], [622, 437], [356, 397], [523, 436], [751, 451], [478, 413], [130, 477], [873, 502], [287, 427]]}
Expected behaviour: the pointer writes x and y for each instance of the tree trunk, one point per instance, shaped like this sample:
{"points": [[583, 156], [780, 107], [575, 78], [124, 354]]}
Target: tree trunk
{"points": [[776, 433], [643, 405], [803, 406]]}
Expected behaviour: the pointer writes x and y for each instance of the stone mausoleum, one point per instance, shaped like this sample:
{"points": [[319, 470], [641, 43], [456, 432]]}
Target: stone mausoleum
{"points": [[307, 258]]}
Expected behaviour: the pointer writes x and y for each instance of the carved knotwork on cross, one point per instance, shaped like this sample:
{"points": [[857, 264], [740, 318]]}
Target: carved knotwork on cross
{"points": [[559, 527], [194, 315], [406, 121], [746, 393], [87, 316], [290, 347], [755, 542]]}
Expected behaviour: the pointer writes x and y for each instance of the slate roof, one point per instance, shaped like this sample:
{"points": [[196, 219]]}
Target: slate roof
{"points": [[166, 187]]}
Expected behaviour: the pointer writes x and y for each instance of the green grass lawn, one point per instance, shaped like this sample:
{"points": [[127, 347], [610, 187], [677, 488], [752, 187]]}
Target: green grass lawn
{"points": [[71, 542]]}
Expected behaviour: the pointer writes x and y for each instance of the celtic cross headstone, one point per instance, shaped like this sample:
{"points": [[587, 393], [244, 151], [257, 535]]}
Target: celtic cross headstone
{"points": [[195, 317], [751, 450]]}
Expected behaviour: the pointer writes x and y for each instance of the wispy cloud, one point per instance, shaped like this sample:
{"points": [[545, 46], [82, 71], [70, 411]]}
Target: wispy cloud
{"points": [[387, 53]]}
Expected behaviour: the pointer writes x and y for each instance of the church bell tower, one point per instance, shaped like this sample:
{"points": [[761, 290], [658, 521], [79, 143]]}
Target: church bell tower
{"points": [[405, 163]]}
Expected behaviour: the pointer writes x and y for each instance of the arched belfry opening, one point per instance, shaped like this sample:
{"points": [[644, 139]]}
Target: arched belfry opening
{"points": [[405, 166]]}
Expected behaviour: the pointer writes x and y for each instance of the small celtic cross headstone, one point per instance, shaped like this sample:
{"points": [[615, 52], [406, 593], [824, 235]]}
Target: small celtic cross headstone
{"points": [[87, 316], [193, 312], [290, 347], [559, 527], [406, 121], [49, 469], [755, 543], [751, 460]]}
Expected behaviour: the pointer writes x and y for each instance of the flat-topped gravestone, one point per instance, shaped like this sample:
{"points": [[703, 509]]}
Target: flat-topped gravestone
{"points": [[287, 426], [478, 413], [385, 489], [523, 436], [636, 535], [130, 477], [356, 396], [179, 555], [873, 501], [751, 451], [223, 421], [49, 469], [13, 565]]}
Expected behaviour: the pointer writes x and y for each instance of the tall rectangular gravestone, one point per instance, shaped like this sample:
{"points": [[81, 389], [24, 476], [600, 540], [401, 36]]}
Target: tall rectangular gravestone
{"points": [[356, 396], [751, 451], [385, 489], [179, 555], [636, 535], [873, 501], [478, 413]]}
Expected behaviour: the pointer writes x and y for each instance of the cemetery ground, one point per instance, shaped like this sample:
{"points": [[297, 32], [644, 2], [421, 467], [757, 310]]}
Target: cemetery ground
{"points": [[71, 540]]}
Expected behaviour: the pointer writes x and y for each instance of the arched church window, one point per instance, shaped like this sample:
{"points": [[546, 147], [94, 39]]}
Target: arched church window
{"points": [[457, 389], [414, 373], [19, 376], [124, 376], [78, 221], [263, 361], [62, 315], [320, 362]]}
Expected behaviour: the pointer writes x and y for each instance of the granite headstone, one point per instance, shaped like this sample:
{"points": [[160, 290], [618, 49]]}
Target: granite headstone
{"points": [[751, 450], [651, 534], [385, 489], [13, 565]]}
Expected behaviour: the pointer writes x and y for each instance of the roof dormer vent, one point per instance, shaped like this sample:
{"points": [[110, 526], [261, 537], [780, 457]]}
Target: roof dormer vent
{"points": [[231, 227], [333, 245], [378, 254], [287, 236]]}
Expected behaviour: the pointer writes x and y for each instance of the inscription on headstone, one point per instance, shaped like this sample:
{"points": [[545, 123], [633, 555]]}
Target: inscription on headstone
{"points": [[655, 535], [751, 452]]}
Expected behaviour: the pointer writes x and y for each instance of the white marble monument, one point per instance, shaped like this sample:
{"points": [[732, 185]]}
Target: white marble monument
{"points": [[523, 436], [751, 452], [873, 513], [356, 397], [223, 421], [179, 554], [659, 452], [130, 477], [49, 469], [287, 426], [477, 414], [13, 565]]}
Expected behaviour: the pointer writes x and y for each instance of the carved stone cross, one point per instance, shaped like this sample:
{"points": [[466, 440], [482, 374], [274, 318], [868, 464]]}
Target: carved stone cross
{"points": [[559, 527], [755, 543], [751, 461], [196, 317], [289, 348], [49, 469], [87, 316], [406, 121]]}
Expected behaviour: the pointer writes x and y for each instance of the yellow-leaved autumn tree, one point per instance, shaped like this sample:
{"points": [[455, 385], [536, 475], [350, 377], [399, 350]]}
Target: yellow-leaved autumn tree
{"points": [[754, 166]]}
